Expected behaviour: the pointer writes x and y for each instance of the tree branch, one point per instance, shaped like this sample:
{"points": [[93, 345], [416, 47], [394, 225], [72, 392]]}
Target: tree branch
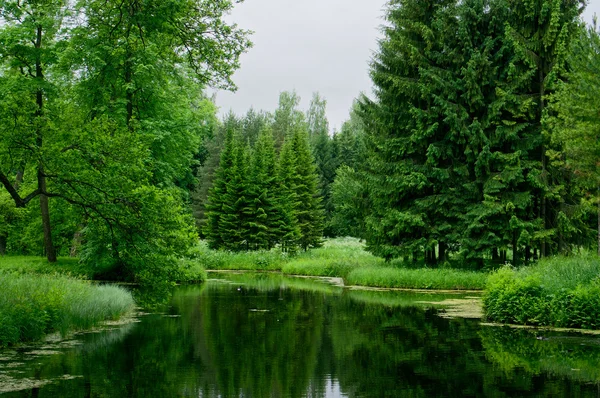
{"points": [[19, 202]]}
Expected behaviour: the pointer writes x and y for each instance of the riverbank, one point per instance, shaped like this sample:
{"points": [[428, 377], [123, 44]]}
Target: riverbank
{"points": [[32, 306], [343, 258], [557, 292]]}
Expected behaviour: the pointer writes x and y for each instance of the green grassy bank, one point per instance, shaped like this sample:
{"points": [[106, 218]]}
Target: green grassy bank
{"points": [[34, 305], [560, 292], [344, 258]]}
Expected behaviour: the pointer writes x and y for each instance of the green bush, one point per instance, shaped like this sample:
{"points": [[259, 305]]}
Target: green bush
{"points": [[561, 292], [31, 306]]}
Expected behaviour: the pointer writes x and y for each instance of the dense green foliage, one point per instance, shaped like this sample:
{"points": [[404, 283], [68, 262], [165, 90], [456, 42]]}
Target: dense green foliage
{"points": [[257, 202], [101, 119], [559, 291], [456, 162], [32, 306]]}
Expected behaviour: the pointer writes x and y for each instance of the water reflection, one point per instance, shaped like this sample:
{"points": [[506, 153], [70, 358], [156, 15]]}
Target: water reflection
{"points": [[263, 336]]}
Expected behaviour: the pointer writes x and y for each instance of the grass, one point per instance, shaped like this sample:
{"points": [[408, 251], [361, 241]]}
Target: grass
{"points": [[425, 278], [34, 305], [344, 258], [559, 291], [40, 265]]}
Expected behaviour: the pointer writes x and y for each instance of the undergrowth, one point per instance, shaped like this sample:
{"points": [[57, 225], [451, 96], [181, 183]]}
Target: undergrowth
{"points": [[559, 291]]}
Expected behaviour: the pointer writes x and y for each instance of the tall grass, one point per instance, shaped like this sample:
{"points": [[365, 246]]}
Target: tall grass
{"points": [[344, 258], [560, 291], [424, 278], [40, 265], [33, 305]]}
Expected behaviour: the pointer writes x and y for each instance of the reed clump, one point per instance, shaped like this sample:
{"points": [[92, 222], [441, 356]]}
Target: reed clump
{"points": [[34, 305]]}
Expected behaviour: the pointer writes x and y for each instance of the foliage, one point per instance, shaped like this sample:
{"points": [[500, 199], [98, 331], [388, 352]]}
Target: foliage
{"points": [[107, 117], [456, 153], [560, 291], [32, 306]]}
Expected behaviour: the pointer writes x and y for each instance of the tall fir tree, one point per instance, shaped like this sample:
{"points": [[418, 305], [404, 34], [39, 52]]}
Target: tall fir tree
{"points": [[234, 226], [287, 198], [265, 216], [324, 151], [214, 208], [309, 210]]}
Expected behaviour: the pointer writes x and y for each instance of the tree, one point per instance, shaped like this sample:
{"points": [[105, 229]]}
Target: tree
{"points": [[323, 149], [115, 117], [287, 198], [308, 211], [539, 33], [217, 193], [265, 216], [287, 118], [576, 122]]}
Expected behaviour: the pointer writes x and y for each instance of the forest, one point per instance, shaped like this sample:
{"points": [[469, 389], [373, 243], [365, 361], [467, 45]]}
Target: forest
{"points": [[477, 148]]}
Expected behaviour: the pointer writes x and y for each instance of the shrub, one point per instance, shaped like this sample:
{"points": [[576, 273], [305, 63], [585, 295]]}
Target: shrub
{"points": [[562, 292]]}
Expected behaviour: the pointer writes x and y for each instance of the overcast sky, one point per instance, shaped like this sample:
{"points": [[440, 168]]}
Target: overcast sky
{"points": [[308, 46]]}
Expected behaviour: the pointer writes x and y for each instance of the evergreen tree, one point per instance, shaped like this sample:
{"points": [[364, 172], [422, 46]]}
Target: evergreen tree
{"points": [[538, 33], [237, 215], [265, 217], [205, 175], [309, 211], [323, 149], [214, 208], [576, 130], [287, 198]]}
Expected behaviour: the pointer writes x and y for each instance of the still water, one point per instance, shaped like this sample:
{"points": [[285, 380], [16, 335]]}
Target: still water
{"points": [[269, 336]]}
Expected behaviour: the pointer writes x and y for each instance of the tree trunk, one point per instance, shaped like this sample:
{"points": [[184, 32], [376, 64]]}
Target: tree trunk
{"points": [[3, 239], [39, 75], [48, 246], [599, 223], [442, 252], [515, 249], [495, 256]]}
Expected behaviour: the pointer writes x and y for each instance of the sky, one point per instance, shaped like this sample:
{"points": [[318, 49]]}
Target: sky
{"points": [[310, 46]]}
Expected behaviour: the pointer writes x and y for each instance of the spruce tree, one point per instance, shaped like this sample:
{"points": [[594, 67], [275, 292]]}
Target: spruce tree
{"points": [[265, 216], [324, 151], [237, 215], [287, 199], [214, 209], [309, 210]]}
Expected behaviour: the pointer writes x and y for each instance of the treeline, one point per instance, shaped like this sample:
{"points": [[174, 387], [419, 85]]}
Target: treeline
{"points": [[475, 152], [267, 178], [256, 203]]}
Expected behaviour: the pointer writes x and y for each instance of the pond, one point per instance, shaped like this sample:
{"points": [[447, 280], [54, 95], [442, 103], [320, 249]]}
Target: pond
{"points": [[260, 335]]}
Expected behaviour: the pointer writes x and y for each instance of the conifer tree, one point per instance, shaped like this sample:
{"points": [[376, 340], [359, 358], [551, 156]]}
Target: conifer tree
{"points": [[217, 194], [287, 198], [309, 210], [324, 151], [265, 216], [234, 225]]}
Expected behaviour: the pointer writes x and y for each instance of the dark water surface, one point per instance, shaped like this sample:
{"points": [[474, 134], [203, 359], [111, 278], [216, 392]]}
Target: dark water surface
{"points": [[269, 336]]}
